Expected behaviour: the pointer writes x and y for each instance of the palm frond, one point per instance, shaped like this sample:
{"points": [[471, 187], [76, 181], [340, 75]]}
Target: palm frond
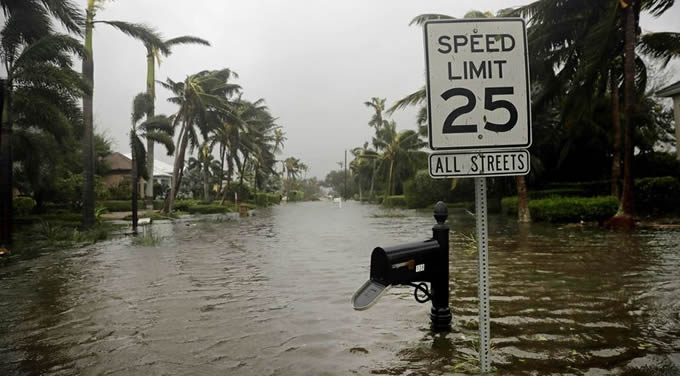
{"points": [[137, 148], [662, 46], [185, 39], [141, 105], [412, 99], [142, 32], [422, 18], [162, 138], [159, 123]]}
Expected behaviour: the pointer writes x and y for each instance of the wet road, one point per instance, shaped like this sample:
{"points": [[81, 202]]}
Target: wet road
{"points": [[269, 295]]}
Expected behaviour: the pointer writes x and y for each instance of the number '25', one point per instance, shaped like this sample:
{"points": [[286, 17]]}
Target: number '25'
{"points": [[489, 104]]}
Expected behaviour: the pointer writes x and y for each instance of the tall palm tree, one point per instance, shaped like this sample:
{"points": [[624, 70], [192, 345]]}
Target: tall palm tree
{"points": [[152, 58], [378, 122], [159, 129], [136, 31], [204, 101], [398, 148], [37, 64]]}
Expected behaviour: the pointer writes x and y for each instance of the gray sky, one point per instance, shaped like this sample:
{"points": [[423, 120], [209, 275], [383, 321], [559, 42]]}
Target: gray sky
{"points": [[315, 62]]}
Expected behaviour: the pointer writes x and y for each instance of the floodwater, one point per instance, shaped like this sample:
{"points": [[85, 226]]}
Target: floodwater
{"points": [[270, 295]]}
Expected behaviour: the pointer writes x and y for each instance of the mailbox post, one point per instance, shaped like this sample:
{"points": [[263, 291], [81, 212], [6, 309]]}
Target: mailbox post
{"points": [[414, 264], [440, 314]]}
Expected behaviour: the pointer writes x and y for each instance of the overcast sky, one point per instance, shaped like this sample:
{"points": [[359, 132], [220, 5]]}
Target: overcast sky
{"points": [[314, 62]]}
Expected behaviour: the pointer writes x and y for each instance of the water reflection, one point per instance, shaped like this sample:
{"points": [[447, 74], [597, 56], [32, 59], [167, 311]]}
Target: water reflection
{"points": [[269, 295]]}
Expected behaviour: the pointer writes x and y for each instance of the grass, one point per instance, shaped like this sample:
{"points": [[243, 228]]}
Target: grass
{"points": [[147, 238]]}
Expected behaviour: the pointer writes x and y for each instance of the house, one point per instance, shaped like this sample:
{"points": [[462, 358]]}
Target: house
{"points": [[673, 91], [120, 168]]}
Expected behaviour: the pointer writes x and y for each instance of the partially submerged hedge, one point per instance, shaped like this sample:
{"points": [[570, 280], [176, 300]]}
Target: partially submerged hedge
{"points": [[267, 199], [566, 209], [395, 201]]}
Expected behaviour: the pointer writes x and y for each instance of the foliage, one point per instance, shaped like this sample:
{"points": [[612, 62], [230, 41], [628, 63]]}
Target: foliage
{"points": [[422, 191], [656, 164], [122, 190], [208, 209], [267, 199], [395, 201], [23, 205], [566, 209], [295, 196], [657, 195]]}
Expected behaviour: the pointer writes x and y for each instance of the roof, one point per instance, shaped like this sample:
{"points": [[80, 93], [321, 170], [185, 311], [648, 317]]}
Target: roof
{"points": [[123, 162], [160, 168], [669, 91]]}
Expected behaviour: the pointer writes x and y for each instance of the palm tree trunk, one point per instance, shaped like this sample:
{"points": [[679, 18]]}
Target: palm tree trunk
{"points": [[626, 205], [523, 213], [6, 167], [388, 191], [135, 186], [223, 152], [150, 89], [370, 195], [177, 168], [88, 134], [616, 125], [206, 182]]}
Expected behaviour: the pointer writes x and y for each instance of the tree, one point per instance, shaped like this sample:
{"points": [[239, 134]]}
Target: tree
{"points": [[378, 122], [158, 129], [398, 150], [205, 104], [38, 68], [136, 31], [152, 58]]}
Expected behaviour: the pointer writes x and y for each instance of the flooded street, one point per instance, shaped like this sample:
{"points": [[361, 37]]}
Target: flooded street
{"points": [[270, 295]]}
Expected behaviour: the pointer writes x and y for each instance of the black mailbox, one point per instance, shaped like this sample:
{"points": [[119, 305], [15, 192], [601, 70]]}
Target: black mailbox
{"points": [[406, 264]]}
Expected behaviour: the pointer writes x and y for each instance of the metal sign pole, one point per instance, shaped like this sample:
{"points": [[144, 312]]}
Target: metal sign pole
{"points": [[483, 276]]}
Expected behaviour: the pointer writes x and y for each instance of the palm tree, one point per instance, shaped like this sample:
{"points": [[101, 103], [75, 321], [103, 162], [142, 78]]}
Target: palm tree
{"points": [[38, 65], [152, 58], [398, 149], [378, 122], [159, 129], [204, 101], [137, 31]]}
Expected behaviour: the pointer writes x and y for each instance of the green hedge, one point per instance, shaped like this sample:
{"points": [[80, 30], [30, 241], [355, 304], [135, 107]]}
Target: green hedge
{"points": [[395, 201], [23, 205], [657, 195], [208, 209], [566, 209], [294, 196], [266, 199]]}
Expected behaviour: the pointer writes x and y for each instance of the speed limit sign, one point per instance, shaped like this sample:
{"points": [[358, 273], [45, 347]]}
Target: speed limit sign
{"points": [[477, 84]]}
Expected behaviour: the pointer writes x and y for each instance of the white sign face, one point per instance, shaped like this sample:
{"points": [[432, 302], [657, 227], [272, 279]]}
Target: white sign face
{"points": [[479, 164], [477, 84]]}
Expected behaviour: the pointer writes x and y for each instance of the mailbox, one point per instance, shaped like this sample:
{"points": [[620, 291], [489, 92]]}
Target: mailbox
{"points": [[414, 264]]}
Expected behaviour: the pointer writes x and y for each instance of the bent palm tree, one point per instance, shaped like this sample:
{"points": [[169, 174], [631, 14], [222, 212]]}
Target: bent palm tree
{"points": [[152, 58], [137, 31], [158, 129]]}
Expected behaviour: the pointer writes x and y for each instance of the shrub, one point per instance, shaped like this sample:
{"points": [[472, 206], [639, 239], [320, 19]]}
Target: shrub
{"points": [[395, 201], [122, 191], [294, 196], [273, 198], [121, 205], [261, 199], [657, 195], [23, 205], [208, 209], [566, 209], [184, 205], [422, 190]]}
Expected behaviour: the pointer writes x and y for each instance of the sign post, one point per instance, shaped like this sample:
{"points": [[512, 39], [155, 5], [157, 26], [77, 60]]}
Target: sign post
{"points": [[479, 118]]}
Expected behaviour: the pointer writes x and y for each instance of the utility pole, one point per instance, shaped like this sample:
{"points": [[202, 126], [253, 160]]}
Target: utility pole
{"points": [[345, 196]]}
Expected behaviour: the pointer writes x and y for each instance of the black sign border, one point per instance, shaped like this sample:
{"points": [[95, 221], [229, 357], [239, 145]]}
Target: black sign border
{"points": [[431, 155], [427, 84]]}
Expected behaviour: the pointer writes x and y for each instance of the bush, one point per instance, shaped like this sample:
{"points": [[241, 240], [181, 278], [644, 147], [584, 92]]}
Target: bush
{"points": [[122, 191], [566, 209], [582, 189], [208, 209], [655, 164], [23, 205], [273, 198], [119, 205], [395, 201], [657, 195], [294, 196], [261, 199], [422, 190], [185, 205]]}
